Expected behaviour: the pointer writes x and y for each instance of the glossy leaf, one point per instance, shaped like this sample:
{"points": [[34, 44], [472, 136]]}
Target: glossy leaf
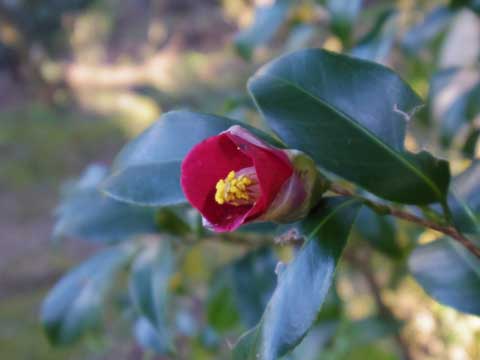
{"points": [[349, 115], [74, 305], [107, 220], [155, 184], [267, 21], [302, 285], [464, 200], [448, 273], [147, 170], [149, 288]]}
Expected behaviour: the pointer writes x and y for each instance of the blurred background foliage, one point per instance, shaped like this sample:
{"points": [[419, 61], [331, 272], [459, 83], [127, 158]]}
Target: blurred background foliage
{"points": [[79, 78]]}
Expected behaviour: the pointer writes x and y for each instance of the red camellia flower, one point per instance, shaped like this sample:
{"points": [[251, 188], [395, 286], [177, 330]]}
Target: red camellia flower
{"points": [[235, 178]]}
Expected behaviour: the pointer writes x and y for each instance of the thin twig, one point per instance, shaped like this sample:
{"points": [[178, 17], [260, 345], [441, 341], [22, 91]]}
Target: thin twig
{"points": [[404, 215]]}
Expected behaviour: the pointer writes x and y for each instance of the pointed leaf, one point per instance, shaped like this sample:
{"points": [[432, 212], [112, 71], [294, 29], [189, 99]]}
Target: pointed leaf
{"points": [[73, 307], [107, 220], [147, 170], [267, 20], [464, 200], [349, 115], [303, 285], [448, 273]]}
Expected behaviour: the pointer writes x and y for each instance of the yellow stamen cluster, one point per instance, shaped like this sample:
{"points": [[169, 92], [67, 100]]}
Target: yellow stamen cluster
{"points": [[233, 190]]}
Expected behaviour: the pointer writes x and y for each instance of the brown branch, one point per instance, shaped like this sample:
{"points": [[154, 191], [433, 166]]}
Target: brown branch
{"points": [[364, 267], [404, 215]]}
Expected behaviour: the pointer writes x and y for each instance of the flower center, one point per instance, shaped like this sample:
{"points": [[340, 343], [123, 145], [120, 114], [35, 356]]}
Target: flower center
{"points": [[237, 189]]}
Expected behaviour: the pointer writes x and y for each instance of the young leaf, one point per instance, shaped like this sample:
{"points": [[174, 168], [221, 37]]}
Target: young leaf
{"points": [[464, 199], [147, 170], [267, 21], [303, 285], [448, 273], [149, 288], [74, 305], [107, 220], [349, 115]]}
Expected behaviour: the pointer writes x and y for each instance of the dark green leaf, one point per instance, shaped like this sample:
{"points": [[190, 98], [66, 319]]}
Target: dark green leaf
{"points": [[222, 312], [253, 282], [74, 305], [302, 285], [470, 146], [241, 290], [349, 115], [149, 288], [148, 336], [464, 199], [156, 184], [147, 170], [86, 213], [448, 273], [379, 231], [267, 21], [376, 45], [426, 31], [343, 15]]}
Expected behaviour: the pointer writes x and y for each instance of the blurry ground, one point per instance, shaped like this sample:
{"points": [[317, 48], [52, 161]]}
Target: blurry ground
{"points": [[125, 62]]}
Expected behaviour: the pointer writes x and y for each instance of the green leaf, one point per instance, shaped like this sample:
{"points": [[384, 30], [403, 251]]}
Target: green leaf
{"points": [[379, 231], [149, 288], [302, 285], [464, 199], [349, 115], [107, 220], [267, 21], [343, 15], [148, 337], [377, 44], [434, 24], [461, 112], [470, 146], [241, 290], [74, 306], [253, 283], [156, 184], [448, 273], [147, 170], [222, 312]]}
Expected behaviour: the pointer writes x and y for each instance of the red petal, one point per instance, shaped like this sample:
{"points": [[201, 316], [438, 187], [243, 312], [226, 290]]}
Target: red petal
{"points": [[273, 168], [208, 162], [213, 159]]}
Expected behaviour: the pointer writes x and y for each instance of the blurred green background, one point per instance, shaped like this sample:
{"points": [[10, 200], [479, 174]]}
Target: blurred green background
{"points": [[79, 78]]}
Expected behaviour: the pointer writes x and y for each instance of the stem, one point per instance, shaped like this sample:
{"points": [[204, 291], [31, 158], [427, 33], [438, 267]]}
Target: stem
{"points": [[404, 215], [364, 267]]}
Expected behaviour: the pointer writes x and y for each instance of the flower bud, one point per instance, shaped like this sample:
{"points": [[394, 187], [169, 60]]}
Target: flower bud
{"points": [[235, 178]]}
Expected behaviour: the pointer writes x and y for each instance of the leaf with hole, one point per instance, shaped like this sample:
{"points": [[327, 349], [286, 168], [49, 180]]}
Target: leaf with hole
{"points": [[350, 116]]}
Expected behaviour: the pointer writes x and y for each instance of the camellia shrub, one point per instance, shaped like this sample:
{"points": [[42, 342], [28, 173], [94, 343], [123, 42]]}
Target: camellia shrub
{"points": [[331, 155]]}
